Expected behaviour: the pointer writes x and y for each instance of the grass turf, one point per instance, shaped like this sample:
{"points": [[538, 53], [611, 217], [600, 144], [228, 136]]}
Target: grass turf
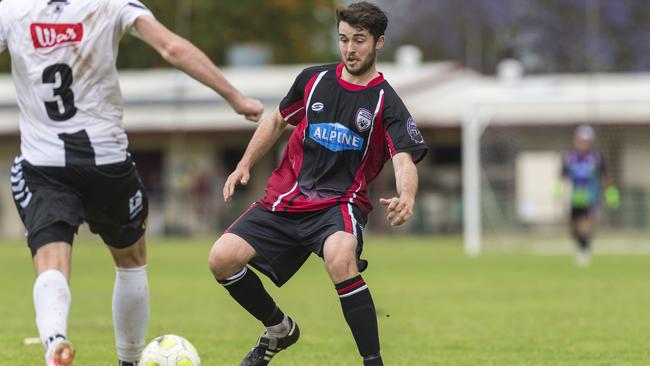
{"points": [[435, 307]]}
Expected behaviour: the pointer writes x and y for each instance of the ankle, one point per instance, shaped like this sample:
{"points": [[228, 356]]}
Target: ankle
{"points": [[373, 360], [279, 330]]}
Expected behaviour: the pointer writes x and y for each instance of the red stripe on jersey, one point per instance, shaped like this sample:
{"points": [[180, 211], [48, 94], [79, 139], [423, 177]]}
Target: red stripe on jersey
{"points": [[353, 286], [308, 88], [361, 179], [391, 145], [296, 148], [291, 113], [347, 220], [285, 176]]}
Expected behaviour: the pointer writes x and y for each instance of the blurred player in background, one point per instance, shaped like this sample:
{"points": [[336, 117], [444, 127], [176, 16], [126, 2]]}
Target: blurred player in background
{"points": [[74, 164], [349, 122], [584, 170]]}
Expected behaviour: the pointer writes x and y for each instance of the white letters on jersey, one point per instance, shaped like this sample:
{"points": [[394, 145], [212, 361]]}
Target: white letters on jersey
{"points": [[63, 55]]}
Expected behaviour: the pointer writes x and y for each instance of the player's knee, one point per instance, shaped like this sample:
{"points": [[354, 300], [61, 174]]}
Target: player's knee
{"points": [[132, 256], [222, 261], [341, 267]]}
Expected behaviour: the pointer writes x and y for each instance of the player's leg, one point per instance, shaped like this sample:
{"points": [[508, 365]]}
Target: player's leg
{"points": [[130, 301], [583, 229], [228, 262], [51, 213], [271, 248], [116, 208], [52, 301], [340, 256]]}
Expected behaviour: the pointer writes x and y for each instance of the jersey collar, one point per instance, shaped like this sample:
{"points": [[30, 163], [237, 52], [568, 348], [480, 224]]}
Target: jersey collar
{"points": [[354, 87]]}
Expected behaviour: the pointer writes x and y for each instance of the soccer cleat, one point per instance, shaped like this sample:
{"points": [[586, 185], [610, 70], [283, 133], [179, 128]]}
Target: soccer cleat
{"points": [[60, 354], [124, 363], [583, 259], [268, 347]]}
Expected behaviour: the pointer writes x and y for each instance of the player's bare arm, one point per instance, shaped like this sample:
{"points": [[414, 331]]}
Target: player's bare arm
{"points": [[267, 133], [400, 209], [187, 57]]}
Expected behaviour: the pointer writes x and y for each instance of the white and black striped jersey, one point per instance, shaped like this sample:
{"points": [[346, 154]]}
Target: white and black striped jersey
{"points": [[63, 55]]}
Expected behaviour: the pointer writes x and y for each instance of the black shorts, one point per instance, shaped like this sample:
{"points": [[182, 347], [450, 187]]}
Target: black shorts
{"points": [[53, 201], [580, 212], [284, 240]]}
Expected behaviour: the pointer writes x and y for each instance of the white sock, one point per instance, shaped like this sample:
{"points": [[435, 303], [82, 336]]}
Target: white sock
{"points": [[52, 304], [130, 312], [280, 330]]}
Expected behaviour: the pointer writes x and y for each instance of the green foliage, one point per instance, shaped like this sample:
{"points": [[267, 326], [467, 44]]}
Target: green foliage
{"points": [[435, 307], [295, 30]]}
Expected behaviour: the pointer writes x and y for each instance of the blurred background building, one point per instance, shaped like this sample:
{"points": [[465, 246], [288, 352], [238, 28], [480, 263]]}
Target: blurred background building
{"points": [[529, 70]]}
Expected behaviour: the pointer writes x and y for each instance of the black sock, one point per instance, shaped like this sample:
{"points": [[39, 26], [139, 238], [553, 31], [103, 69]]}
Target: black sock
{"points": [[247, 289], [359, 312], [373, 360], [583, 241]]}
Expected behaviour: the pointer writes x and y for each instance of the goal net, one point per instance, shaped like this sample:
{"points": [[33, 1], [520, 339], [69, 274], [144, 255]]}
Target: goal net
{"points": [[512, 198]]}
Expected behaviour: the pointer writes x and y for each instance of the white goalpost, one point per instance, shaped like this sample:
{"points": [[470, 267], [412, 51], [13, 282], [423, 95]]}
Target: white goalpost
{"points": [[473, 124]]}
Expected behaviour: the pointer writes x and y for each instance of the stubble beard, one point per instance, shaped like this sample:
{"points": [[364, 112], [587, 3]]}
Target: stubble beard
{"points": [[364, 67]]}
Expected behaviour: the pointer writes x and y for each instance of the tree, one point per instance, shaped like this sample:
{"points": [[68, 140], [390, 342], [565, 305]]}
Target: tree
{"points": [[547, 36], [295, 30]]}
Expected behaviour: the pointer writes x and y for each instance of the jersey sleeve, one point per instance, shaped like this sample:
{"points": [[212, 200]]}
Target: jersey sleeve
{"points": [[402, 133], [292, 106], [128, 13]]}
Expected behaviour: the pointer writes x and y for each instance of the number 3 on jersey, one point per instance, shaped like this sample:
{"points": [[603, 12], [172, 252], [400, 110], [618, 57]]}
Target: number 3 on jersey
{"points": [[64, 73]]}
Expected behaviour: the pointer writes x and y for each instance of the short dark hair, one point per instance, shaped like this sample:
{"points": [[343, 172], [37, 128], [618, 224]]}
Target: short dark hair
{"points": [[363, 15]]}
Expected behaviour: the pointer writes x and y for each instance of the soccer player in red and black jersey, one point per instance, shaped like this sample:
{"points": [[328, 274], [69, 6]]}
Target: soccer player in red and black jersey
{"points": [[348, 123]]}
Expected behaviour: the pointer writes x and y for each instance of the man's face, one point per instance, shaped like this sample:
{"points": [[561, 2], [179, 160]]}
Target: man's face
{"points": [[582, 144], [358, 48]]}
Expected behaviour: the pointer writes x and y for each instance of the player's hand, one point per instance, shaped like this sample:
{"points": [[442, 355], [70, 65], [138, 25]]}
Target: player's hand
{"points": [[239, 176], [400, 210], [250, 108], [612, 198]]}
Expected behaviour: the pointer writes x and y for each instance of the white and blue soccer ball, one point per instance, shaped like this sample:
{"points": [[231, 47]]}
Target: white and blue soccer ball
{"points": [[170, 350]]}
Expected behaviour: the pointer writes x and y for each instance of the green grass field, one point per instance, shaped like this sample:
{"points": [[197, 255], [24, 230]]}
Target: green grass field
{"points": [[435, 307]]}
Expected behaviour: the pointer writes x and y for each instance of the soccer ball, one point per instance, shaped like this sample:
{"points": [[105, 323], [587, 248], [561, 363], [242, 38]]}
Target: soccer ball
{"points": [[170, 350]]}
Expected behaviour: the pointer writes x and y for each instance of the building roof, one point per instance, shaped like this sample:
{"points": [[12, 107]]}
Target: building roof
{"points": [[438, 94], [168, 100], [536, 100]]}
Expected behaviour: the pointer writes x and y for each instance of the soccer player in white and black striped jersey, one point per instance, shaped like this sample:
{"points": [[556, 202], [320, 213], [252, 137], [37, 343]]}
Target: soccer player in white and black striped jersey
{"points": [[74, 164]]}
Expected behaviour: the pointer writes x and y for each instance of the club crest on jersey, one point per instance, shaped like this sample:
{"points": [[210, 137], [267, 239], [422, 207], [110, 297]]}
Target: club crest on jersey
{"points": [[317, 107], [364, 119], [413, 131], [47, 37], [335, 137]]}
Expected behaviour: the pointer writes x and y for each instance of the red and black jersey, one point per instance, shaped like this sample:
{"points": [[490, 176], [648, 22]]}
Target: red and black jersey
{"points": [[344, 134]]}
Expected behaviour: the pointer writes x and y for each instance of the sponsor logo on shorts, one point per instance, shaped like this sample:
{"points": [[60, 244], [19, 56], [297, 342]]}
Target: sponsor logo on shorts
{"points": [[317, 107], [413, 131], [48, 36], [135, 205], [335, 137], [364, 119]]}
